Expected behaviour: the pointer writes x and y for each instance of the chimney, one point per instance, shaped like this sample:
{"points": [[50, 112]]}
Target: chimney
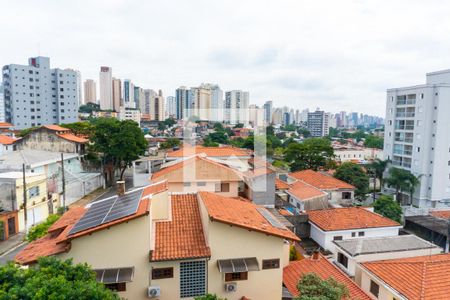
{"points": [[315, 255], [120, 188]]}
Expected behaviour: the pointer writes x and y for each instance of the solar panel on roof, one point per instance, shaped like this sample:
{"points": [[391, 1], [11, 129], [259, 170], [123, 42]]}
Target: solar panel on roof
{"points": [[108, 210], [270, 218]]}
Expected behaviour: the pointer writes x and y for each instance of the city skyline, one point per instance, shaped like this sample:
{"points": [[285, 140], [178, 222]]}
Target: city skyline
{"points": [[291, 61]]}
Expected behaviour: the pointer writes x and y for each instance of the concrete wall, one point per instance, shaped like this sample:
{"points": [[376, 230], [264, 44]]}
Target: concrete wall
{"points": [[262, 189], [210, 186], [43, 139]]}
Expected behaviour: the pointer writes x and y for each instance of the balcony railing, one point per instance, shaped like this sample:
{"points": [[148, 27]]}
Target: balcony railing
{"points": [[405, 115]]}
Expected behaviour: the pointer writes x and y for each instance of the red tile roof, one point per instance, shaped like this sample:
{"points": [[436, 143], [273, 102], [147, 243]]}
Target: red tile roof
{"points": [[73, 138], [422, 277], [347, 218], [242, 214], [5, 125], [54, 242], [303, 191], [209, 151], [442, 214], [55, 128], [155, 188], [7, 140], [183, 236], [257, 172], [320, 181], [293, 272], [280, 184]]}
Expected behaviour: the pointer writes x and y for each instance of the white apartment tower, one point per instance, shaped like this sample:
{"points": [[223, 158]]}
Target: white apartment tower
{"points": [[318, 123], [36, 95], [116, 94], [90, 91], [236, 107], [417, 137], [106, 90]]}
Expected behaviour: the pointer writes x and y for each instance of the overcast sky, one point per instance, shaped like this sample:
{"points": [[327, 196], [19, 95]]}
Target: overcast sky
{"points": [[337, 55]]}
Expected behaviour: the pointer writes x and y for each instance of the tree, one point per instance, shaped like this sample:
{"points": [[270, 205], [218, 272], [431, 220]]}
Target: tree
{"points": [[80, 128], [304, 132], [290, 127], [387, 207], [312, 287], [169, 122], [209, 297], [40, 230], [399, 179], [373, 141], [238, 125], [313, 153], [377, 168], [354, 175], [52, 279], [359, 135], [293, 254], [119, 143], [170, 143], [88, 108]]}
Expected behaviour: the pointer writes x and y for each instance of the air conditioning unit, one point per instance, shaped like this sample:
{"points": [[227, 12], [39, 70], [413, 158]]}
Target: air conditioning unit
{"points": [[154, 291], [231, 287]]}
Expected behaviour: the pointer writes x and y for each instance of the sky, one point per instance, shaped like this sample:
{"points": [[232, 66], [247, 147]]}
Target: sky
{"points": [[336, 55]]}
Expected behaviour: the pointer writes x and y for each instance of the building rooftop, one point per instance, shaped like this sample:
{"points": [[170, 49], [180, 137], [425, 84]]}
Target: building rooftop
{"points": [[362, 246], [432, 223], [243, 214], [348, 218], [17, 175], [7, 140], [183, 237], [32, 158], [209, 151], [55, 128], [280, 184], [422, 277], [304, 191], [442, 214], [320, 181], [293, 272], [73, 138]]}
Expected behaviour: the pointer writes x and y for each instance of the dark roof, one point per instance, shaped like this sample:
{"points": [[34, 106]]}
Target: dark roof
{"points": [[429, 222]]}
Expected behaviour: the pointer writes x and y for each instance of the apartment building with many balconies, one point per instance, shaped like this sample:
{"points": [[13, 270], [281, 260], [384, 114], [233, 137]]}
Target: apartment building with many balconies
{"points": [[417, 137]]}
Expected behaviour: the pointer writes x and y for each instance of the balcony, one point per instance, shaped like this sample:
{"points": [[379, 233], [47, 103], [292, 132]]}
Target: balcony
{"points": [[405, 114]]}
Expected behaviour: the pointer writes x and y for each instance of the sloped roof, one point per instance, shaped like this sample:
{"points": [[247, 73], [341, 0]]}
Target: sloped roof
{"points": [[183, 236], [321, 181], [422, 277], [209, 151], [347, 218], [442, 214], [55, 128], [280, 184], [7, 140], [73, 138], [5, 125], [303, 191], [241, 213], [293, 272]]}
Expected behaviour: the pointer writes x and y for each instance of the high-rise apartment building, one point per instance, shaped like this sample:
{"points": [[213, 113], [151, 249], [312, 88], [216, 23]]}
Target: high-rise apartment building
{"points": [[182, 95], [35, 94], [417, 137], [318, 123], [201, 102], [128, 94], [277, 116], [216, 102], [105, 79], [2, 104], [149, 98], [236, 107], [90, 91], [171, 106], [157, 110], [268, 111], [117, 94]]}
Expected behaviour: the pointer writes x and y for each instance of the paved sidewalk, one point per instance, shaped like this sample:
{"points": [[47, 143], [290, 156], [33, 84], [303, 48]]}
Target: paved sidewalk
{"points": [[12, 242]]}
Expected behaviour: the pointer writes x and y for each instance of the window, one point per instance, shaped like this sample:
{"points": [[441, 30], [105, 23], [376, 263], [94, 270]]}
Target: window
{"points": [[33, 192], [236, 276], [346, 195], [337, 238], [353, 234], [374, 288], [361, 233], [161, 273], [119, 287], [271, 263], [192, 278], [224, 187], [342, 259], [186, 184], [201, 183]]}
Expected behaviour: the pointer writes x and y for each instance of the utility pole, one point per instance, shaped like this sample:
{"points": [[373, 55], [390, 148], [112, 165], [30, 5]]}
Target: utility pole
{"points": [[63, 183], [24, 197]]}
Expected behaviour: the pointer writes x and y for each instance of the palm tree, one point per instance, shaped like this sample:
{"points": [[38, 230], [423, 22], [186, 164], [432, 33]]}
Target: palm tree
{"points": [[413, 182], [377, 168], [398, 179]]}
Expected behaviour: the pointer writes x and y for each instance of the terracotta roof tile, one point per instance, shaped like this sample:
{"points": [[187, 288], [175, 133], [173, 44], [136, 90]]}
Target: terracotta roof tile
{"points": [[280, 184], [242, 214], [5, 125], [155, 188], [182, 237], [442, 214], [320, 181], [348, 218], [422, 277], [257, 172], [7, 140], [72, 137], [293, 272], [303, 191], [55, 128], [209, 151]]}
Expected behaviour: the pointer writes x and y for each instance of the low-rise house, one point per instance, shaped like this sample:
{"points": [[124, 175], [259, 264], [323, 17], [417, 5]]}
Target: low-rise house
{"points": [[357, 154], [12, 197], [7, 144], [171, 246], [259, 186], [334, 224], [349, 253], [306, 197], [53, 138], [199, 173], [319, 265], [423, 277], [339, 192], [221, 153], [431, 228]]}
